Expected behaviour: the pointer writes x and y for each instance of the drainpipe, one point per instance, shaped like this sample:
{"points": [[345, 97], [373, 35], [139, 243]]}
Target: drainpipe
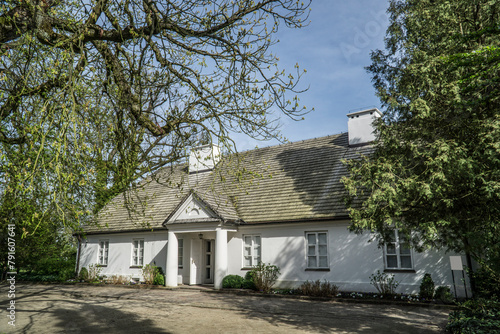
{"points": [[78, 252], [470, 273]]}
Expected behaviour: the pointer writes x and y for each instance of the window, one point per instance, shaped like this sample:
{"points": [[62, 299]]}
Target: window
{"points": [[180, 252], [138, 252], [103, 252], [251, 252], [317, 250], [397, 252]]}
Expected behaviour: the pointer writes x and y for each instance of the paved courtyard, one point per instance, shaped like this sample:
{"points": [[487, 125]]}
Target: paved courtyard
{"points": [[112, 309]]}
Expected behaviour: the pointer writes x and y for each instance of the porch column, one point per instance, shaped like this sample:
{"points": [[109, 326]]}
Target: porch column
{"points": [[220, 257], [172, 259]]}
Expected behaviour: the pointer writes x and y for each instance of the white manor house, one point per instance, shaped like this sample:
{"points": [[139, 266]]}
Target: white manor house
{"points": [[199, 222]]}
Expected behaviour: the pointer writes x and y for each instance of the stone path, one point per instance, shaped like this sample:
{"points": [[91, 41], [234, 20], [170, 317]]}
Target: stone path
{"points": [[112, 309]]}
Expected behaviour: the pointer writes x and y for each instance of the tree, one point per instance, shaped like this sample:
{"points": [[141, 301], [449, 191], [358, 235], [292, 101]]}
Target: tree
{"points": [[45, 247], [96, 94], [435, 170]]}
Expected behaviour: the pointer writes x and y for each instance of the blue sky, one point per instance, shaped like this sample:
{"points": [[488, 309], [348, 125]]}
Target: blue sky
{"points": [[334, 49]]}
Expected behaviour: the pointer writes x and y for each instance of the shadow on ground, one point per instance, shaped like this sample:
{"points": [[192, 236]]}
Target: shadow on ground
{"points": [[336, 317], [50, 310], [95, 318], [87, 309]]}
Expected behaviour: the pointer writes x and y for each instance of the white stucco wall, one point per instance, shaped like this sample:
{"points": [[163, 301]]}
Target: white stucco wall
{"points": [[120, 252], [352, 259]]}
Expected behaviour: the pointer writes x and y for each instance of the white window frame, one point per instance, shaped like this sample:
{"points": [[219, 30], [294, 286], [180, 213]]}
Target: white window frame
{"points": [[137, 261], [254, 256], [103, 252], [396, 250], [180, 253], [315, 250]]}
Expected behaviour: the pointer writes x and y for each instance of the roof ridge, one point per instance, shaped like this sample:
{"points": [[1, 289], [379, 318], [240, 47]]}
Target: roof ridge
{"points": [[291, 143], [181, 164]]}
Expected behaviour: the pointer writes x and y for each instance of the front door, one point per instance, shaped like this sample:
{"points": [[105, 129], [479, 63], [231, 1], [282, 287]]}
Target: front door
{"points": [[208, 252]]}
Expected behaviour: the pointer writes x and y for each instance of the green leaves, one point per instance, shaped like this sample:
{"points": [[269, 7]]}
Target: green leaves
{"points": [[436, 165], [96, 97]]}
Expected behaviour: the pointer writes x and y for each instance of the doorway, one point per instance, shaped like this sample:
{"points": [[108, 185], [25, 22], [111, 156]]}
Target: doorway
{"points": [[208, 261]]}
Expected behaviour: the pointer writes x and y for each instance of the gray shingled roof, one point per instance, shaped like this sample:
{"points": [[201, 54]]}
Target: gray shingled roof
{"points": [[297, 181]]}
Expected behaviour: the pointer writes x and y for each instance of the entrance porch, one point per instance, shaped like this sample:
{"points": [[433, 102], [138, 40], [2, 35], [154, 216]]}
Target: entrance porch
{"points": [[197, 256]]}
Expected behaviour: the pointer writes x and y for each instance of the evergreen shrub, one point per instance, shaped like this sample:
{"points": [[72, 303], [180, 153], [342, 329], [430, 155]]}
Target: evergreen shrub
{"points": [[478, 316], [232, 282], [427, 287], [248, 282]]}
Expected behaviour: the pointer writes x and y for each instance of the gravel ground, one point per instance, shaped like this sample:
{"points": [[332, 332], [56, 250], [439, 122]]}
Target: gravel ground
{"points": [[116, 309]]}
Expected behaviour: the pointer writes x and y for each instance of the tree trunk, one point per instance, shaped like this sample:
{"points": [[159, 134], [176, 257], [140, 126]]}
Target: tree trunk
{"points": [[470, 272]]}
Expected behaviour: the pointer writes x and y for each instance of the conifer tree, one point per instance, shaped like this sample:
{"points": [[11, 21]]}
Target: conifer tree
{"points": [[435, 171]]}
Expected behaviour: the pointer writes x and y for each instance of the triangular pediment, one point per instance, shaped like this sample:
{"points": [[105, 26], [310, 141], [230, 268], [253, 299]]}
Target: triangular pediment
{"points": [[192, 209]]}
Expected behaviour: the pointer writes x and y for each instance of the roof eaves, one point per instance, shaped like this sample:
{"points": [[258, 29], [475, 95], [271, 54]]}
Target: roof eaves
{"points": [[299, 220], [152, 229]]}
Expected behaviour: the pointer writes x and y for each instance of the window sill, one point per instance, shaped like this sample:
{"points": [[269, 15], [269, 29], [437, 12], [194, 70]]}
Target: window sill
{"points": [[246, 268], [317, 269], [409, 271], [136, 266], [102, 265]]}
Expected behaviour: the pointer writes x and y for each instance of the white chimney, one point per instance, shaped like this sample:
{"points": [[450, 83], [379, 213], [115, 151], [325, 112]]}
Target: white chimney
{"points": [[203, 158], [359, 126]]}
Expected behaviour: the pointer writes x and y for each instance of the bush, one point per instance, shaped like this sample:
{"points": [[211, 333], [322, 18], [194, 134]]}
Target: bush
{"points": [[427, 287], [476, 316], [248, 282], [232, 282], [84, 274], [318, 289], [159, 280], [37, 278], [443, 294], [487, 283], [265, 276], [53, 262], [119, 279], [150, 273], [94, 270], [159, 277], [66, 274], [153, 275], [385, 284]]}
